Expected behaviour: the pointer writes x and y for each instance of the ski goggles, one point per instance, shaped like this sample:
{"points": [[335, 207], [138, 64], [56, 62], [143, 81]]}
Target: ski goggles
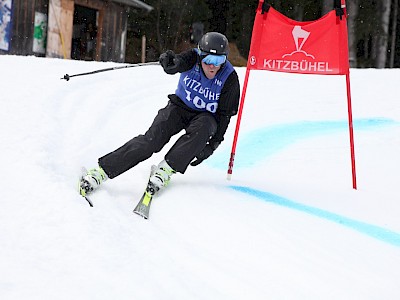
{"points": [[211, 59]]}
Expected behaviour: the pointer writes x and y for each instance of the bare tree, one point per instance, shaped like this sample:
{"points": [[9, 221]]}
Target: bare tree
{"points": [[170, 23], [327, 6], [352, 11], [299, 12], [394, 32], [382, 36]]}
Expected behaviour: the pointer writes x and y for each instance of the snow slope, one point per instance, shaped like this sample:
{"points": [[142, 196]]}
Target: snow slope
{"points": [[287, 226]]}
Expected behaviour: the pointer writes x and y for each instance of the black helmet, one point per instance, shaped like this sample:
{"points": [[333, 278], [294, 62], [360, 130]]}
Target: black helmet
{"points": [[214, 43]]}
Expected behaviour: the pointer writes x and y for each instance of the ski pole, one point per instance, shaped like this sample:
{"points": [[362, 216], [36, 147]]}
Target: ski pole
{"points": [[67, 77]]}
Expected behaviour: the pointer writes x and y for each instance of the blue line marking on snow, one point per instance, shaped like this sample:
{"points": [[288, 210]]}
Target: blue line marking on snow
{"points": [[379, 233], [262, 143]]}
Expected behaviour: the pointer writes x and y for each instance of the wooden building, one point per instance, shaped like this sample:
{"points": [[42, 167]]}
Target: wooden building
{"points": [[77, 29]]}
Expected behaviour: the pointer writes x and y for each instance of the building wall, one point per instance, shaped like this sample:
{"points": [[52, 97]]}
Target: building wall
{"points": [[59, 30], [114, 33], [111, 36], [23, 16]]}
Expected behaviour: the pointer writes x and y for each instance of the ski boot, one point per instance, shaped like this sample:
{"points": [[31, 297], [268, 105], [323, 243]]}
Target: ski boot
{"points": [[160, 177], [91, 180]]}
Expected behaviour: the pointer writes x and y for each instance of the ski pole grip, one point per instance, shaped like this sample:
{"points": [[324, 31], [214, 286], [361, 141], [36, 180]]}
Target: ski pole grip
{"points": [[66, 77]]}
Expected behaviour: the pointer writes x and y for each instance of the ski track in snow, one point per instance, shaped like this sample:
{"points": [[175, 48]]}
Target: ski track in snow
{"points": [[288, 225], [377, 232]]}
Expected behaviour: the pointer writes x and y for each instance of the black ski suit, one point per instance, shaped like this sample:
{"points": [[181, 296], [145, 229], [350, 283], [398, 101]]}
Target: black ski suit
{"points": [[204, 130]]}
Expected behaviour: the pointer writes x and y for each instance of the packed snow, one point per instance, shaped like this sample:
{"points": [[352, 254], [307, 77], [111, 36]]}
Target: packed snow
{"points": [[289, 225]]}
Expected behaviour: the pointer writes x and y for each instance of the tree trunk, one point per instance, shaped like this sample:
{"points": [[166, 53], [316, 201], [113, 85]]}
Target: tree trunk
{"points": [[299, 12], [394, 32], [158, 27], [383, 35], [179, 32], [327, 6], [352, 11]]}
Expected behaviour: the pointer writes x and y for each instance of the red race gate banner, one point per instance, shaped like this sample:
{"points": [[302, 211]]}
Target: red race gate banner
{"points": [[281, 44], [285, 45]]}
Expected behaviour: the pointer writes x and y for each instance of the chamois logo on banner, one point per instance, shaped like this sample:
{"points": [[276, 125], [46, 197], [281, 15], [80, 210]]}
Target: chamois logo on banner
{"points": [[298, 61], [300, 37]]}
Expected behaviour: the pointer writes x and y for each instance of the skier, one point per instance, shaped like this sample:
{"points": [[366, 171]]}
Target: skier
{"points": [[206, 98]]}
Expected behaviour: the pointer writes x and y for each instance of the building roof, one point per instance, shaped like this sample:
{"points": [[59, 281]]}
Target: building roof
{"points": [[136, 3]]}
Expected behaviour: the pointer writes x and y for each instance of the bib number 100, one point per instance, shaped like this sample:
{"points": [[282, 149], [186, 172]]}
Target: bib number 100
{"points": [[201, 104]]}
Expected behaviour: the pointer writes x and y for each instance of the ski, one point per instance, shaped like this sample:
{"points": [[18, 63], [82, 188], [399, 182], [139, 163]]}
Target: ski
{"points": [[143, 206], [88, 200], [84, 188]]}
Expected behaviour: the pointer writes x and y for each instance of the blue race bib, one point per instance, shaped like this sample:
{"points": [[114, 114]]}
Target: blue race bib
{"points": [[200, 93]]}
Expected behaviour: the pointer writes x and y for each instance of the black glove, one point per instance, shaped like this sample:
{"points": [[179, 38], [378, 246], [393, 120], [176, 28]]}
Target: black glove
{"points": [[204, 154], [169, 62]]}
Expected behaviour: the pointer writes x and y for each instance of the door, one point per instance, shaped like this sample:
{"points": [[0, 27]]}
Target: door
{"points": [[85, 33]]}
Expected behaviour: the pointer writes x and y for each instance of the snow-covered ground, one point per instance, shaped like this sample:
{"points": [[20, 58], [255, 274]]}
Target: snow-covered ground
{"points": [[288, 225]]}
